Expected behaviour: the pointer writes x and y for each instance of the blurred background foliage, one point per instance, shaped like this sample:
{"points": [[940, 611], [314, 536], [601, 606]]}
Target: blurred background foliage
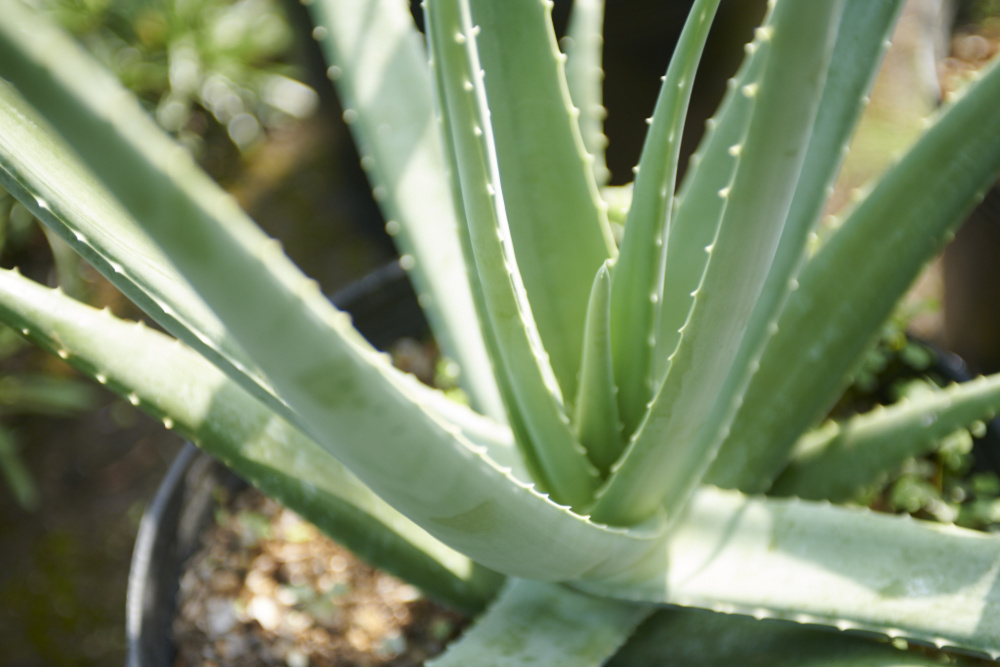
{"points": [[194, 59]]}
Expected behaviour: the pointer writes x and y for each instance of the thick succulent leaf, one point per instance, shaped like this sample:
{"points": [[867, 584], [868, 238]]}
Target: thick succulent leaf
{"points": [[733, 312], [819, 563], [172, 383], [598, 426], [534, 623], [863, 36], [40, 170], [861, 39], [835, 461], [857, 277], [565, 470], [379, 66], [346, 395], [699, 204], [557, 225], [683, 637], [637, 278], [861, 42], [584, 46], [44, 174]]}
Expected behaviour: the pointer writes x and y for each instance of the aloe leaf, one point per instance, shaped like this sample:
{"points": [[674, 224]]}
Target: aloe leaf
{"points": [[835, 461], [861, 42], [862, 38], [345, 395], [598, 425], [682, 637], [858, 276], [557, 225], [565, 470], [848, 568], [379, 67], [534, 623], [732, 313], [584, 45], [505, 384], [699, 205], [637, 278], [191, 396], [42, 172]]}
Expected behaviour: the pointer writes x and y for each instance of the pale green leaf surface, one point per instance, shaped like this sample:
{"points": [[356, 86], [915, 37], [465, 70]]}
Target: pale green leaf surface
{"points": [[637, 277], [190, 395], [850, 568], [40, 170], [584, 47], [346, 395], [379, 67], [727, 328], [598, 425], [835, 461], [565, 470], [503, 381], [685, 637], [857, 277], [698, 206], [557, 225], [861, 41], [862, 35], [547, 625], [862, 38]]}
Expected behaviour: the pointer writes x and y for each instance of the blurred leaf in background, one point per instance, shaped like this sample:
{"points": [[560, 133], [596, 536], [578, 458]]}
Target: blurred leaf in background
{"points": [[192, 58]]}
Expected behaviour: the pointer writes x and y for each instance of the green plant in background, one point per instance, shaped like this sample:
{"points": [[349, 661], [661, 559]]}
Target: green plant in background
{"points": [[644, 408], [182, 56]]}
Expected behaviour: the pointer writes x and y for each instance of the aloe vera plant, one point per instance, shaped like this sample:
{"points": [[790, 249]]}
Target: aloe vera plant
{"points": [[642, 413]]}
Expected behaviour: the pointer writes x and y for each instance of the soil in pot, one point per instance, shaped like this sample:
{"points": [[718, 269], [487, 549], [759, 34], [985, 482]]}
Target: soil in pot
{"points": [[267, 588]]}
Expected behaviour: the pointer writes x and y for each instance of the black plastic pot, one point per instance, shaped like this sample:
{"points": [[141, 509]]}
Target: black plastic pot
{"points": [[384, 309]]}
